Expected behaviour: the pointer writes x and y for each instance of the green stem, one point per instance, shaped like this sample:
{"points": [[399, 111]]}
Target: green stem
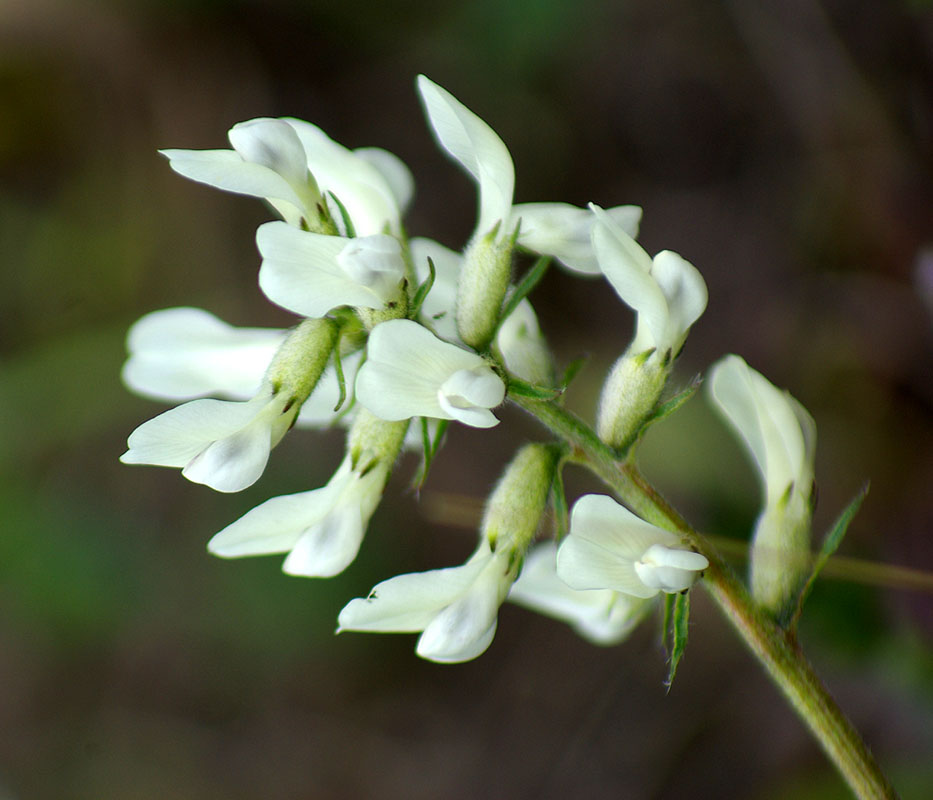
{"points": [[775, 648]]}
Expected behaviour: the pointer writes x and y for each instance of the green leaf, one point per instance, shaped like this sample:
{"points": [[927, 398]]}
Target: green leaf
{"points": [[525, 285], [662, 410], [347, 222], [680, 618], [422, 291], [341, 379], [668, 407], [831, 543], [524, 389], [666, 622], [559, 499], [573, 368]]}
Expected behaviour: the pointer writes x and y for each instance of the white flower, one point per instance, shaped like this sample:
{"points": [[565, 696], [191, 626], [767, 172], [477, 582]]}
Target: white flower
{"points": [[781, 437], [608, 547], [478, 149], [556, 229], [187, 353], [601, 616], [292, 164], [312, 273], [184, 353], [321, 530], [455, 608], [224, 444], [667, 292], [409, 372], [778, 431]]}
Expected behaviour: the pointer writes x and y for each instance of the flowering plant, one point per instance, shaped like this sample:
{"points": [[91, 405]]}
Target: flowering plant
{"points": [[403, 336]]}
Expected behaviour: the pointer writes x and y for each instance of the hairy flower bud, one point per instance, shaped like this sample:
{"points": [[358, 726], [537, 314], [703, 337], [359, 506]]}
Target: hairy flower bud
{"points": [[301, 359], [484, 279], [515, 506], [373, 438], [630, 393]]}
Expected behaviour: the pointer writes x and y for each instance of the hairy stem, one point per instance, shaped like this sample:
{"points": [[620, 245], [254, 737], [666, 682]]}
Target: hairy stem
{"points": [[774, 647]]}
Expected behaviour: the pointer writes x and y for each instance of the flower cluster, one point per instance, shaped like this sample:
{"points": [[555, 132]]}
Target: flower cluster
{"points": [[393, 329]]}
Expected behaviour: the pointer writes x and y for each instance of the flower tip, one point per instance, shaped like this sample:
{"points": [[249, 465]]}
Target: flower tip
{"points": [[424, 83]]}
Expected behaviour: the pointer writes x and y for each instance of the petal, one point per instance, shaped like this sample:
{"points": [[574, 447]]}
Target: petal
{"points": [[408, 603], [393, 394], [627, 267], [405, 368], [564, 231], [685, 291], [604, 522], [451, 639], [183, 353], [671, 570], [479, 386], [468, 394], [775, 427], [471, 416], [237, 461], [329, 546], [440, 304], [523, 347], [226, 170], [603, 617], [300, 271], [478, 149], [583, 564], [369, 199], [374, 262], [465, 628], [173, 438], [271, 143], [274, 526], [393, 170]]}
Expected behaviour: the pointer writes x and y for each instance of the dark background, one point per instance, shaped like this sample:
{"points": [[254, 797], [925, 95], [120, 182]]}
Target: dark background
{"points": [[783, 148]]}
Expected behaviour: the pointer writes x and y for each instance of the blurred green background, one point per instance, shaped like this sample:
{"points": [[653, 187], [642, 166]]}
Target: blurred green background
{"points": [[786, 149]]}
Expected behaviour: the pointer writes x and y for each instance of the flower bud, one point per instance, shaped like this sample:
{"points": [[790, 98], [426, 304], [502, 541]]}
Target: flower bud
{"points": [[301, 359], [515, 506], [374, 438], [484, 279], [780, 554], [629, 395]]}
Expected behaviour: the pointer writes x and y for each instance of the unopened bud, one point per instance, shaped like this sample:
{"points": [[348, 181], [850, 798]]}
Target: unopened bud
{"points": [[484, 279], [780, 553], [374, 438], [515, 506], [629, 395], [299, 362]]}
